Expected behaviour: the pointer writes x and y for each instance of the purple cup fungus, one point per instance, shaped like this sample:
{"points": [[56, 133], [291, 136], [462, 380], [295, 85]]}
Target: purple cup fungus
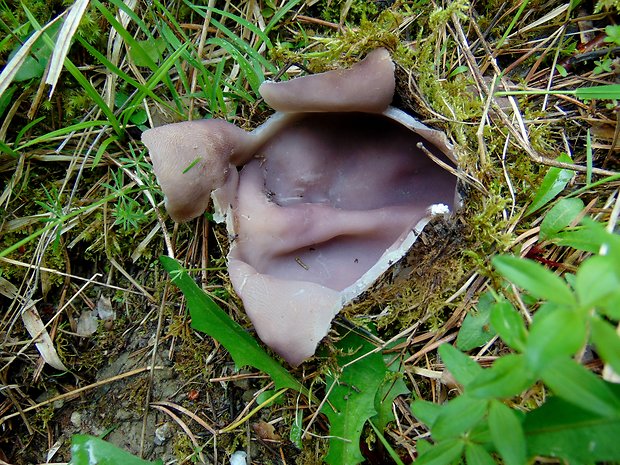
{"points": [[333, 189]]}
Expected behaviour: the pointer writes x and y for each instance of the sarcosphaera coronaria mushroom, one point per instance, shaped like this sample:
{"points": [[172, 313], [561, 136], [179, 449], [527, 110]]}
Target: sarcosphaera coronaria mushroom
{"points": [[322, 198]]}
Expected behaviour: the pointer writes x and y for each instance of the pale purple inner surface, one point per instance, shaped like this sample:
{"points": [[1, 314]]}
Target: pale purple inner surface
{"points": [[345, 186]]}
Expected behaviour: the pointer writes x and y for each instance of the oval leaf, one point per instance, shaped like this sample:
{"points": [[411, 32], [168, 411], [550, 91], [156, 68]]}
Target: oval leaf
{"points": [[508, 377], [475, 454], [507, 434], [597, 278], [462, 367], [561, 215], [509, 325], [607, 342], [534, 278], [555, 332], [553, 183], [579, 386]]}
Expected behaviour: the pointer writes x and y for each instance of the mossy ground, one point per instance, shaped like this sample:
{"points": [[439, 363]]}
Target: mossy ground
{"points": [[114, 243]]}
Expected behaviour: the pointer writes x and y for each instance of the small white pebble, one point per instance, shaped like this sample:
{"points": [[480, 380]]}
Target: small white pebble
{"points": [[76, 419], [239, 458], [162, 434]]}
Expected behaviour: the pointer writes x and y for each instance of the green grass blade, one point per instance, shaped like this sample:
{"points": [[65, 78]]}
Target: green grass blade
{"points": [[245, 23], [280, 14], [254, 79], [607, 92], [210, 319], [135, 46], [50, 136]]}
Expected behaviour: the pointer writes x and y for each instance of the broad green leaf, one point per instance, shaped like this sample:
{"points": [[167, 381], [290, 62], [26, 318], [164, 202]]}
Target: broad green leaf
{"points": [[580, 239], [507, 433], [607, 341], [462, 367], [352, 398], [554, 333], [475, 331], [553, 183], [508, 376], [392, 386], [509, 325], [209, 318], [458, 416], [425, 411], [443, 453], [579, 386], [560, 216], [563, 430], [597, 278], [475, 454], [89, 450], [591, 236], [534, 278]]}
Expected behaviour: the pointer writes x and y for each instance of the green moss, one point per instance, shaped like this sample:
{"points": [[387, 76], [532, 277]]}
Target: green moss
{"points": [[360, 10]]}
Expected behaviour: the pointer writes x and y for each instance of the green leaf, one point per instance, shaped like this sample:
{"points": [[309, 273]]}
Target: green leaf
{"points": [[425, 411], [352, 396], [509, 325], [392, 386], [459, 416], [507, 434], [577, 385], [210, 319], [581, 239], [607, 342], [554, 333], [475, 454], [563, 430], [475, 331], [597, 278], [508, 376], [462, 367], [534, 278], [613, 34], [553, 183], [560, 216], [443, 453], [89, 450]]}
